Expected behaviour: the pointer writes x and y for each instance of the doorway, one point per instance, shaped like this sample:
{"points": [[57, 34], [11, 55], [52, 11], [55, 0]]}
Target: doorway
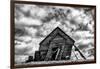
{"points": [[55, 53]]}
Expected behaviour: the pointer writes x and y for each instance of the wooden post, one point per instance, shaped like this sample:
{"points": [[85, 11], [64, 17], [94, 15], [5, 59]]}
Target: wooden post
{"points": [[62, 49], [58, 51], [80, 52]]}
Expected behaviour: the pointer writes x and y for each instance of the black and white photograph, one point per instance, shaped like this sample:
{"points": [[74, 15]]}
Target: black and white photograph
{"points": [[53, 34]]}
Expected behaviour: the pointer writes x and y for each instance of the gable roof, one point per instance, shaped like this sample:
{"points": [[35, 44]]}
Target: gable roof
{"points": [[54, 33]]}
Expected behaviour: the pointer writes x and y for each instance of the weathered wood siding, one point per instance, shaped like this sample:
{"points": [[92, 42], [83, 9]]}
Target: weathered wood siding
{"points": [[61, 43], [56, 46]]}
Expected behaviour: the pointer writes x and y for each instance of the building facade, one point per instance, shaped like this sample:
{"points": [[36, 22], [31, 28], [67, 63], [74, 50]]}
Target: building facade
{"points": [[56, 46]]}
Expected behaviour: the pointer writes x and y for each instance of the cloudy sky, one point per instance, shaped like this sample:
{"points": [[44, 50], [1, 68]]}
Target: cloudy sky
{"points": [[34, 22]]}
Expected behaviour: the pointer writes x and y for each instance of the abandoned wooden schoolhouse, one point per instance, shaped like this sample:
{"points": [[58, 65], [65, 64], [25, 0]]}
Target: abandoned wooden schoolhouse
{"points": [[56, 46]]}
